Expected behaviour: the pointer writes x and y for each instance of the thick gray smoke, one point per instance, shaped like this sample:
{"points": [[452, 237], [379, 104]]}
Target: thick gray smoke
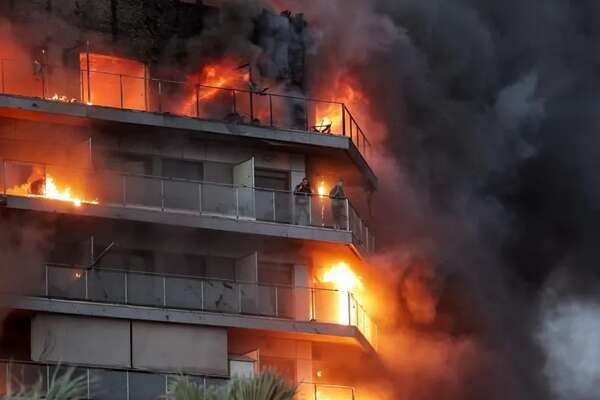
{"points": [[490, 177]]}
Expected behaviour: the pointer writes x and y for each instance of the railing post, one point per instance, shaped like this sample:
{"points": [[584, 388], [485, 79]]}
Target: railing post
{"points": [[121, 88], [85, 281], [274, 210], [350, 308], [233, 99], [124, 189], [276, 302], [162, 195], [237, 202], [89, 81], [309, 210], [199, 198], [125, 288], [239, 297], [305, 115], [271, 109], [202, 294], [2, 75], [47, 289], [146, 82], [197, 101], [160, 96], [344, 119], [313, 307], [316, 392], [4, 181], [164, 282], [251, 106], [347, 215]]}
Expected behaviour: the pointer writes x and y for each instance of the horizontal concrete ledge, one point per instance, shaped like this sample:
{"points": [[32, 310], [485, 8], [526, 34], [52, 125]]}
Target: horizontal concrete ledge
{"points": [[309, 330], [188, 220], [82, 112]]}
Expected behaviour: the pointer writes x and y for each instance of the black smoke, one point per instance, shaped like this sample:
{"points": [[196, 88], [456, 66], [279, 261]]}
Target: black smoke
{"points": [[490, 177]]}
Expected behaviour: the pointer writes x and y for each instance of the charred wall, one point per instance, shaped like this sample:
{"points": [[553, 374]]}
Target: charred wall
{"points": [[168, 34]]}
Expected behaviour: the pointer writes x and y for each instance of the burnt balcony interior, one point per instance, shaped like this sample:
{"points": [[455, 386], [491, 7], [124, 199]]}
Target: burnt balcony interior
{"points": [[116, 82], [133, 168]]}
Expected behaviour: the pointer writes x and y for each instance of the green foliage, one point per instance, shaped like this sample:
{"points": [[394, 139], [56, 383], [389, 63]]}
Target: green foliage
{"points": [[63, 385], [265, 386]]}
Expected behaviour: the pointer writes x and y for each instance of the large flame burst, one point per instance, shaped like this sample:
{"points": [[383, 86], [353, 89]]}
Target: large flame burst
{"points": [[345, 281]]}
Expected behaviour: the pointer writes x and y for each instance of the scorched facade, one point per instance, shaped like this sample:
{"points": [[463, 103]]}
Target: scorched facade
{"points": [[161, 222]]}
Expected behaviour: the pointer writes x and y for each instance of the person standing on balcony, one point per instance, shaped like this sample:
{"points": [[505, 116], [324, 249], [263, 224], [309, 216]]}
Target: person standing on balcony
{"points": [[302, 196], [338, 204]]}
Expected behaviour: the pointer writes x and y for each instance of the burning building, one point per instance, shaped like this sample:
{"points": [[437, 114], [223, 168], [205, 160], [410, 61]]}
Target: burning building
{"points": [[174, 234]]}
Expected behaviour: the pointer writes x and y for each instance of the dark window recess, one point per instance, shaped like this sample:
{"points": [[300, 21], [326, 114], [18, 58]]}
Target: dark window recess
{"points": [[182, 169], [220, 268], [218, 172], [181, 264], [129, 163], [285, 367], [270, 179], [275, 273], [123, 258]]}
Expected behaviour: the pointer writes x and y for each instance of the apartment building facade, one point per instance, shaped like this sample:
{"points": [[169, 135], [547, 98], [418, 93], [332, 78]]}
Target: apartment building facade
{"points": [[159, 230]]}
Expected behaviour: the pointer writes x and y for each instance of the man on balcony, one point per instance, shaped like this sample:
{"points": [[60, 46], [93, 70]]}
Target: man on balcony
{"points": [[302, 196], [338, 204]]}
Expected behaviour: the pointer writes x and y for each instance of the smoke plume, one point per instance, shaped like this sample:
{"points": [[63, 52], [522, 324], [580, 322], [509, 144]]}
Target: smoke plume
{"points": [[488, 177]]}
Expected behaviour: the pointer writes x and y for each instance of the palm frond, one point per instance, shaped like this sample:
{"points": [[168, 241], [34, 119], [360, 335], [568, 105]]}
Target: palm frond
{"points": [[265, 386], [182, 388], [62, 386]]}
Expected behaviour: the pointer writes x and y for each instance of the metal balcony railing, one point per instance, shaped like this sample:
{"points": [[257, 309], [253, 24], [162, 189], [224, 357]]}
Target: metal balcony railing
{"points": [[100, 88], [117, 286], [170, 195], [101, 383], [128, 384]]}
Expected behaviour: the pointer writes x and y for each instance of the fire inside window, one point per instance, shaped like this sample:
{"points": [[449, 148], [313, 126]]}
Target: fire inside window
{"points": [[113, 81]]}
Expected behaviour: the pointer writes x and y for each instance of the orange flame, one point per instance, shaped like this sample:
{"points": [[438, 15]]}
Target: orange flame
{"points": [[345, 281], [48, 188], [223, 75], [321, 189]]}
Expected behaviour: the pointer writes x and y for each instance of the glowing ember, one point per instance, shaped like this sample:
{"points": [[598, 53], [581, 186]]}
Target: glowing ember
{"points": [[345, 281], [62, 99]]}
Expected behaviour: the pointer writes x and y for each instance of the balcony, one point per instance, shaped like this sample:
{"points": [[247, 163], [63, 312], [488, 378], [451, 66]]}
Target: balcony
{"points": [[128, 384], [95, 88], [182, 292], [253, 210]]}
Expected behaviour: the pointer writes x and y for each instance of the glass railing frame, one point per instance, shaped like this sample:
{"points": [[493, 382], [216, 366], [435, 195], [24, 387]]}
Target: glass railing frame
{"points": [[349, 214], [349, 126]]}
